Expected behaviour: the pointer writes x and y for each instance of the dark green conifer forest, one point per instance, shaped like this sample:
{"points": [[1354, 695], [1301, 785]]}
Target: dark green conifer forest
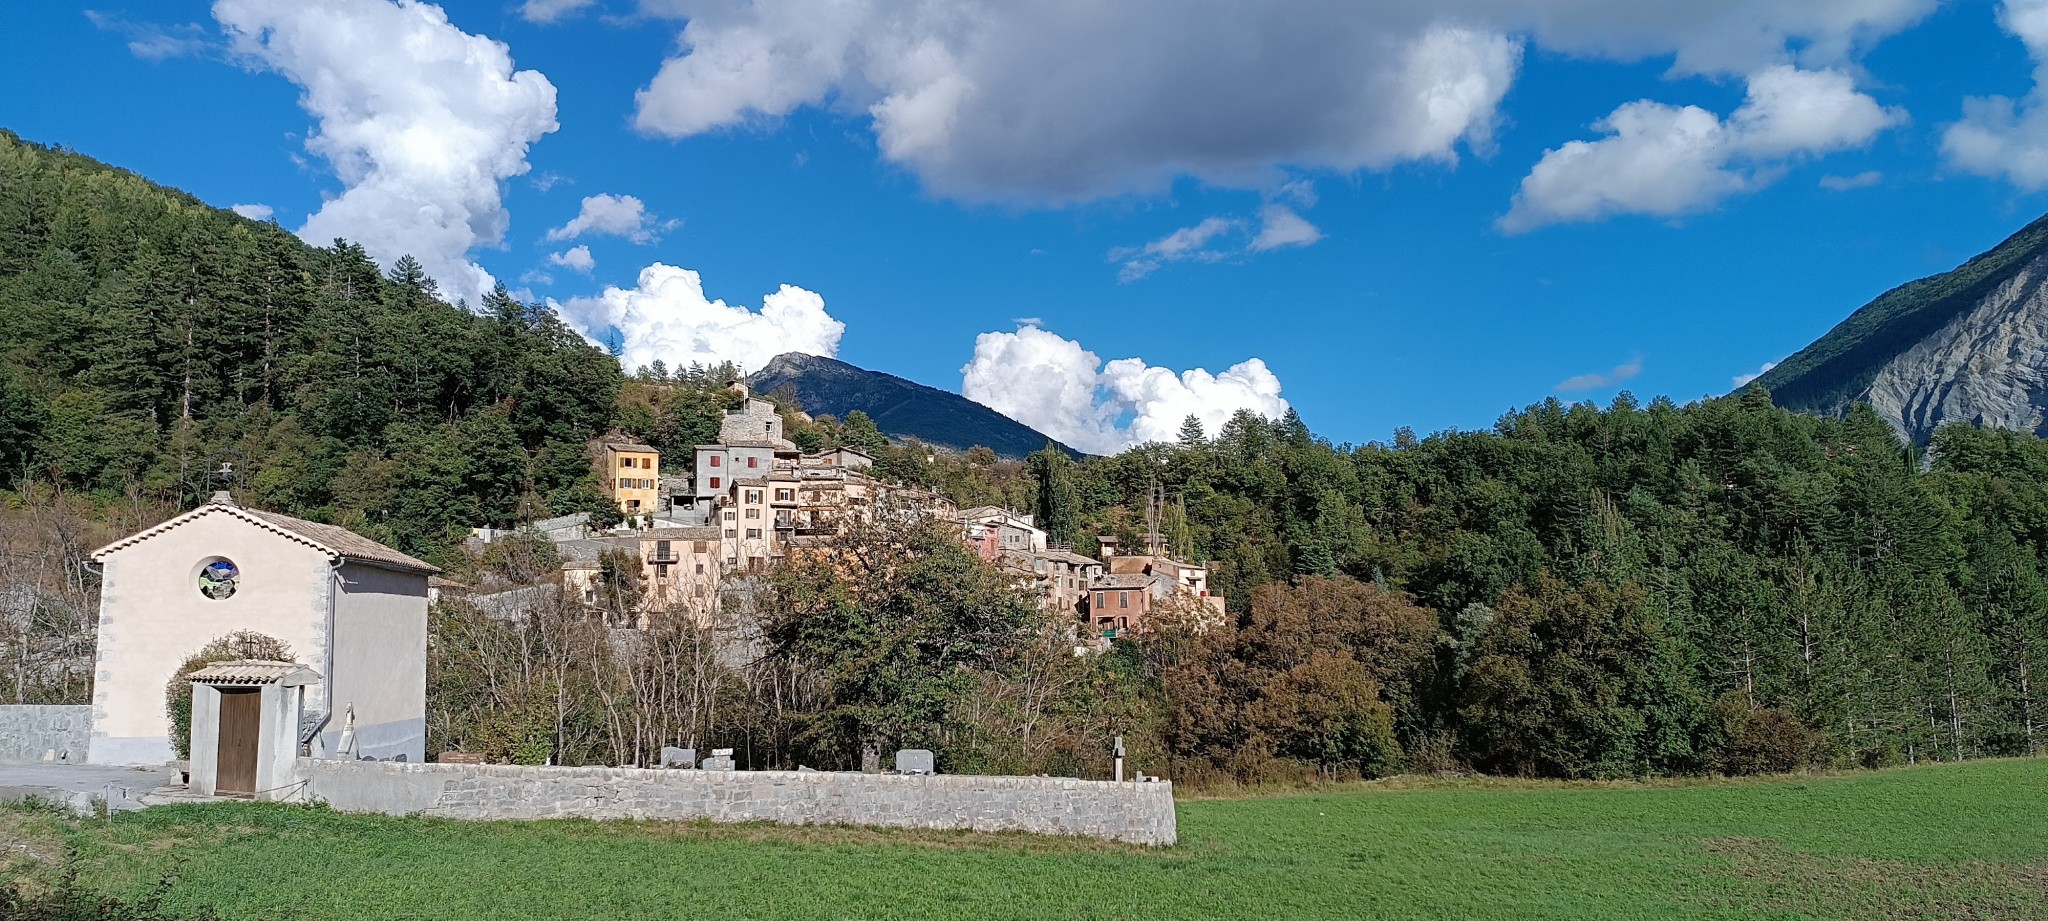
{"points": [[151, 339], [1723, 586]]}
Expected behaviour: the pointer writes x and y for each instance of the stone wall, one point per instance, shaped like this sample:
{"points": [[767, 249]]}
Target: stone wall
{"points": [[28, 732], [1140, 813]]}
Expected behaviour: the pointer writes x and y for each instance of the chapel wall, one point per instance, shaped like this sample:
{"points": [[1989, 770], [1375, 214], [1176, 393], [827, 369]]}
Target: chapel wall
{"points": [[153, 616], [380, 663]]}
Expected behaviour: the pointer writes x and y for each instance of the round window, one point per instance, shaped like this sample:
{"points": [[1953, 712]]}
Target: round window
{"points": [[218, 579]]}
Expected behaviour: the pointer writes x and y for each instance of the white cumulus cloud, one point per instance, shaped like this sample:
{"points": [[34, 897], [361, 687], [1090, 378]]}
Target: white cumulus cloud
{"points": [[666, 316], [252, 212], [575, 257], [1862, 180], [550, 10], [1280, 227], [2002, 137], [1621, 374], [420, 120], [1743, 380], [1219, 238], [617, 215], [1053, 101], [1054, 385], [1668, 160]]}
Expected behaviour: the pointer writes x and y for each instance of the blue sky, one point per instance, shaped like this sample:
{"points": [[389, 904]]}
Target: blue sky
{"points": [[1389, 291]]}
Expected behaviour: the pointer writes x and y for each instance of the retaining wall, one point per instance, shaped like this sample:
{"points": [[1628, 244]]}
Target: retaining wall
{"points": [[29, 731], [1140, 813]]}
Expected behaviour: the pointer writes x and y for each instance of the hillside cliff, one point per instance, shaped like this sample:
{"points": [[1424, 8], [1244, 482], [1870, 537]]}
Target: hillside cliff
{"points": [[1969, 345]]}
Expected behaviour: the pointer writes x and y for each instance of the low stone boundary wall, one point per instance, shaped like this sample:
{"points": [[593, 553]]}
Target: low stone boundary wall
{"points": [[1140, 813], [30, 731]]}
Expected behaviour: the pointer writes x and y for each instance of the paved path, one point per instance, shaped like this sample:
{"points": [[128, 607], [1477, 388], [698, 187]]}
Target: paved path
{"points": [[125, 789]]}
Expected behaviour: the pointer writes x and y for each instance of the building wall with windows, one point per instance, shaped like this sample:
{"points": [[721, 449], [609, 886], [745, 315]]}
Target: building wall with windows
{"points": [[633, 477]]}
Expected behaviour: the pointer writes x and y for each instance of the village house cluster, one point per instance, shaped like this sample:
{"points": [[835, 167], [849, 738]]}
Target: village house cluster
{"points": [[753, 498]]}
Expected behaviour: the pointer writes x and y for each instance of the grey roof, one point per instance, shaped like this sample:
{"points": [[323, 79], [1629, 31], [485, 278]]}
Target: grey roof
{"points": [[1129, 580], [345, 542], [685, 533], [334, 540], [254, 671], [588, 548], [630, 446]]}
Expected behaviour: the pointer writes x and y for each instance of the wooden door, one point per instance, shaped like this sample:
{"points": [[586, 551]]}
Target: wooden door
{"points": [[241, 712]]}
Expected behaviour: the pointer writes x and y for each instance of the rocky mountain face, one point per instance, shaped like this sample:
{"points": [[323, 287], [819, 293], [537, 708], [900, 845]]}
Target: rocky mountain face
{"points": [[900, 408], [1969, 345]]}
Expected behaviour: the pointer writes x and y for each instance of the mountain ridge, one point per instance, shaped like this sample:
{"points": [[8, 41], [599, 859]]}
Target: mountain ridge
{"points": [[901, 408]]}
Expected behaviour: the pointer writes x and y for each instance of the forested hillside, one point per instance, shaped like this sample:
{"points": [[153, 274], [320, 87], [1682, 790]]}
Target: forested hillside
{"points": [[1656, 589], [151, 339]]}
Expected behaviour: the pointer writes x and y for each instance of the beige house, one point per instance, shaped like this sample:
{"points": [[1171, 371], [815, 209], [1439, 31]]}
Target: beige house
{"points": [[353, 612], [633, 477]]}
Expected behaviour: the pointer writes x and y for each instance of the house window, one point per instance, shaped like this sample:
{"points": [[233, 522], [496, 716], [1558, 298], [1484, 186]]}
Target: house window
{"points": [[754, 513], [730, 533], [699, 546], [661, 550], [1102, 599], [1123, 599], [729, 516], [785, 495], [753, 533], [700, 569], [753, 462], [715, 459], [714, 482], [754, 495]]}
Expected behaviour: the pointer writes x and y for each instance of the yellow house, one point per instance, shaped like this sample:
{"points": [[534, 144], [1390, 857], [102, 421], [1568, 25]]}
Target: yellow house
{"points": [[633, 477]]}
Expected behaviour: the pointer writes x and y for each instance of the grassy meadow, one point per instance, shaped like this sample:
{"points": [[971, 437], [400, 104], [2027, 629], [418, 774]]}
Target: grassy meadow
{"points": [[1941, 841]]}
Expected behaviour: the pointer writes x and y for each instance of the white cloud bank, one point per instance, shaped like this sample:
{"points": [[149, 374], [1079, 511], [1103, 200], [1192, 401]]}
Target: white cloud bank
{"points": [[1057, 387], [1668, 160], [420, 121], [253, 212], [1051, 100], [2002, 137], [667, 317]]}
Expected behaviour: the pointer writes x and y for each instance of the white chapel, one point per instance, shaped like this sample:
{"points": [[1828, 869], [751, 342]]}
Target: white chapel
{"points": [[352, 611]]}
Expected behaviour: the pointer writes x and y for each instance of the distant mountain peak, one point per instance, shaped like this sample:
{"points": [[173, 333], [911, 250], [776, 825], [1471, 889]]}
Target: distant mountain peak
{"points": [[901, 408]]}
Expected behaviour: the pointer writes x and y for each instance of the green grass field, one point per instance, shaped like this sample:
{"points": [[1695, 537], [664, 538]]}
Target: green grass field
{"points": [[1967, 841]]}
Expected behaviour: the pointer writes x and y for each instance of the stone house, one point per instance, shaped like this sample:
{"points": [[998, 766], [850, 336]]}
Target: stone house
{"points": [[352, 611]]}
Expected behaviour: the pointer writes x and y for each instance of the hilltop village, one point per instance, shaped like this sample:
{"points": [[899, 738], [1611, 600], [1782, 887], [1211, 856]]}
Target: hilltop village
{"points": [[695, 539]]}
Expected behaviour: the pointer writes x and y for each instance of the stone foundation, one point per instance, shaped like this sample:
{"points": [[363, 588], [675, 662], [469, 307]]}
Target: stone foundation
{"points": [[28, 732], [1139, 813]]}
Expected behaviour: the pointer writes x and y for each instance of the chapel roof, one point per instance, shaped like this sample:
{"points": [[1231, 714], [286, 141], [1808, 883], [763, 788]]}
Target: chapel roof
{"points": [[335, 541]]}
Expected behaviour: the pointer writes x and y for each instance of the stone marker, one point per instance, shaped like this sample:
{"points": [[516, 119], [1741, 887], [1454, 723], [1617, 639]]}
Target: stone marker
{"points": [[720, 760], [672, 757], [914, 761]]}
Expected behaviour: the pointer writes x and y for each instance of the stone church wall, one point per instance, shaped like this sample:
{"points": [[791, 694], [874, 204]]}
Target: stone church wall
{"points": [[27, 732], [1139, 813]]}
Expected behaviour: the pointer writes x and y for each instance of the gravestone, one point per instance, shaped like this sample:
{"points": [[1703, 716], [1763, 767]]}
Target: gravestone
{"points": [[720, 760], [672, 757], [914, 761]]}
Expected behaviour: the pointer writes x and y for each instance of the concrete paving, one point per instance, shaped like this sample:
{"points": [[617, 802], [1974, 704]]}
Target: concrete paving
{"points": [[81, 786]]}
